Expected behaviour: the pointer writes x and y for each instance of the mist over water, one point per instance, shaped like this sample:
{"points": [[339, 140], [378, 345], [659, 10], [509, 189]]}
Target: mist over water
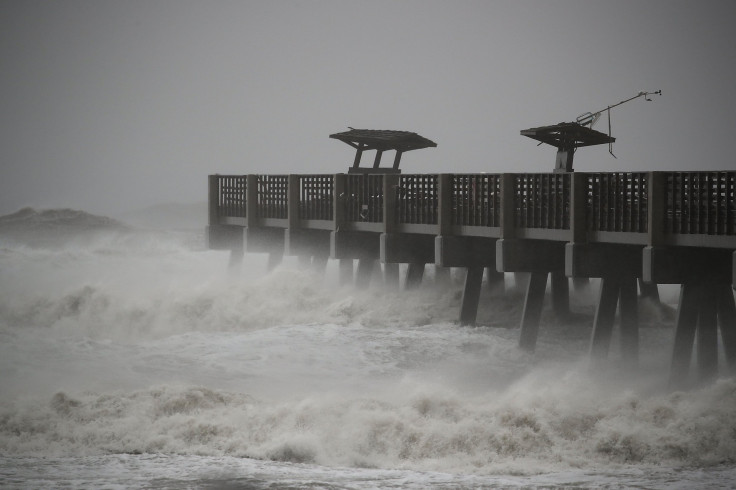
{"points": [[121, 346]]}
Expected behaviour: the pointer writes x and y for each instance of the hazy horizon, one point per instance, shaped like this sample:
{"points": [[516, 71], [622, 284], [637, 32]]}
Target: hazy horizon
{"points": [[114, 106]]}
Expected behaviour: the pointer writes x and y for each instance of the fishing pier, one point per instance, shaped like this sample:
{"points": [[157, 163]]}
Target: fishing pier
{"points": [[633, 230]]}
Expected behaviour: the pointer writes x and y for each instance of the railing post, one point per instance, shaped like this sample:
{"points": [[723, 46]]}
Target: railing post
{"points": [[338, 201], [508, 205], [213, 201], [251, 200], [656, 208], [390, 183], [444, 214], [292, 201], [656, 214], [578, 208]]}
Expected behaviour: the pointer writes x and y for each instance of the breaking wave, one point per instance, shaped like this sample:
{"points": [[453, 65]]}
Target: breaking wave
{"points": [[529, 428], [123, 341]]}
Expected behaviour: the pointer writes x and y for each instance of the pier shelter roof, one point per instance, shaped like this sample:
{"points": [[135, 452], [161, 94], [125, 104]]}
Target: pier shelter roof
{"points": [[568, 135], [381, 140]]}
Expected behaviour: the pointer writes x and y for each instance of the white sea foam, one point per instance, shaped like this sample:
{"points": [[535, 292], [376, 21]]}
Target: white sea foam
{"points": [[142, 342], [419, 426]]}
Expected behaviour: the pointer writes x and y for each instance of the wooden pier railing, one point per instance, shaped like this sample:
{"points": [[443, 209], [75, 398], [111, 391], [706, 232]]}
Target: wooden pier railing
{"points": [[618, 202], [682, 208], [476, 200]]}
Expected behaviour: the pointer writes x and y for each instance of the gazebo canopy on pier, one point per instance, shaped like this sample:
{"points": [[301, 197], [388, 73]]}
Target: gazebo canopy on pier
{"points": [[567, 137], [381, 140]]}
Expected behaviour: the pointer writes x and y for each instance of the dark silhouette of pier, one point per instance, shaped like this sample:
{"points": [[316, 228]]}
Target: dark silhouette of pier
{"points": [[633, 230]]}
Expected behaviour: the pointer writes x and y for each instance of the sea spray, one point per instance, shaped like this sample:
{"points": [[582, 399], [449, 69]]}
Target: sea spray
{"points": [[141, 343]]}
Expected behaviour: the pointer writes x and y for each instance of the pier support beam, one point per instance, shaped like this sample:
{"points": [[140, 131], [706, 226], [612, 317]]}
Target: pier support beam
{"points": [[707, 333], [521, 281], [349, 245], [685, 327], [471, 296], [580, 283], [622, 291], [397, 248], [560, 294], [354, 245], [649, 291], [619, 267], [540, 258], [704, 308], [237, 254], [706, 304], [464, 251], [413, 249], [345, 272], [306, 242], [391, 276], [319, 262], [364, 273], [628, 304], [473, 254], [226, 237], [605, 313], [532, 310], [414, 275], [677, 265], [495, 280], [727, 324], [442, 276], [264, 240]]}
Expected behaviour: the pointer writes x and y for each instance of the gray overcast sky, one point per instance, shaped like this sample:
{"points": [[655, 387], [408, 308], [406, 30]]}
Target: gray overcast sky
{"points": [[110, 106]]}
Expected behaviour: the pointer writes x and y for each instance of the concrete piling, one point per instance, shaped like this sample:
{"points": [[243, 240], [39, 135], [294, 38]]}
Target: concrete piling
{"points": [[364, 273], [414, 275], [471, 296], [391, 276], [560, 291], [685, 326], [442, 276], [727, 324], [604, 318], [629, 320], [236, 259], [532, 310], [345, 272], [495, 279], [707, 334]]}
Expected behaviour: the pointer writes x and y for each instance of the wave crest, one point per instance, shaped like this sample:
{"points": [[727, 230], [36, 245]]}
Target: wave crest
{"points": [[423, 430]]}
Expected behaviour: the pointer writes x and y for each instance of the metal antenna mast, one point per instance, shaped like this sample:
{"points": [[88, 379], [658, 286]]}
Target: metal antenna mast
{"points": [[590, 118], [567, 137]]}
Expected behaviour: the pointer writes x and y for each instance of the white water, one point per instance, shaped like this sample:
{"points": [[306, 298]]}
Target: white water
{"points": [[134, 359]]}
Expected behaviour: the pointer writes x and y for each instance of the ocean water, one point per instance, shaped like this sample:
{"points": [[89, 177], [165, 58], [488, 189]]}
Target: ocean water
{"points": [[135, 358]]}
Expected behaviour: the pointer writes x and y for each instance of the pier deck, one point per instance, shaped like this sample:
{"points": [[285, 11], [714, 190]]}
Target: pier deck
{"points": [[624, 227]]}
